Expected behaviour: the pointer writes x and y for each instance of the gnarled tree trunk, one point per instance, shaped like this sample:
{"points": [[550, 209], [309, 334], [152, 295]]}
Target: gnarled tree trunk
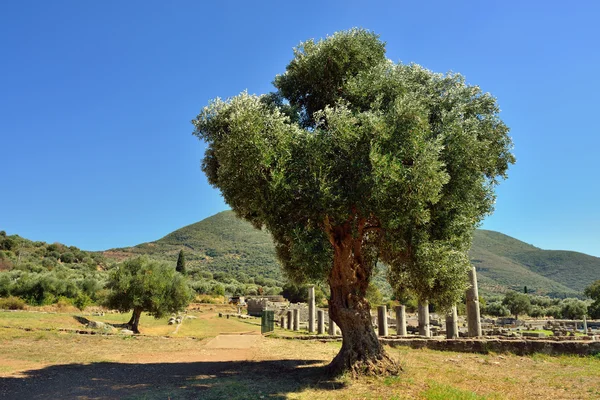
{"points": [[361, 352], [135, 320]]}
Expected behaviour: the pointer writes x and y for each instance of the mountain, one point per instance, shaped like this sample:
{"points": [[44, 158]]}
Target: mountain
{"points": [[225, 244], [509, 262], [220, 243]]}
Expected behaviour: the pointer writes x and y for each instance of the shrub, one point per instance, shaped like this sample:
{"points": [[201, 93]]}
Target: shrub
{"points": [[12, 303], [207, 299], [67, 257], [62, 303], [82, 301], [497, 309]]}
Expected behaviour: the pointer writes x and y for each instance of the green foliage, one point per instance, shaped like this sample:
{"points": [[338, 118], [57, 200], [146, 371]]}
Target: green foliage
{"points": [[573, 309], [148, 285], [496, 309], [218, 290], [7, 243], [82, 301], [67, 257], [405, 157], [374, 296], [593, 292], [517, 303], [180, 263], [299, 293]]}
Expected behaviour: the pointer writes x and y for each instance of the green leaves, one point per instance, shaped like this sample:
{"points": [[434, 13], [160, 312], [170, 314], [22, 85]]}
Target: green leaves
{"points": [[408, 156], [152, 286]]}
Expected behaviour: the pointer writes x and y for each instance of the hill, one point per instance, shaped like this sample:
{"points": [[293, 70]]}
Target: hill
{"points": [[224, 244]]}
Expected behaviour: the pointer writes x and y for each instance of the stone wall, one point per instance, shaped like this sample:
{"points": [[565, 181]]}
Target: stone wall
{"points": [[519, 347]]}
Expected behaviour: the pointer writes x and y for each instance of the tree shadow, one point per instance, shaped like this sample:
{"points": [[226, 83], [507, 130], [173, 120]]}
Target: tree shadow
{"points": [[206, 380]]}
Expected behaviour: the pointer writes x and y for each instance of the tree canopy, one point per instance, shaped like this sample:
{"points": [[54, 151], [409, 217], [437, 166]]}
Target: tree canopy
{"points": [[141, 284], [593, 292], [517, 303], [356, 159], [180, 267]]}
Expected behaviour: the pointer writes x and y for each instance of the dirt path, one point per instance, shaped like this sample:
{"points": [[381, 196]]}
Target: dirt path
{"points": [[128, 375]]}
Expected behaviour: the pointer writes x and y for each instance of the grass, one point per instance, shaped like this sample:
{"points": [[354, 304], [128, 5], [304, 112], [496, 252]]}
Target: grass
{"points": [[278, 368], [547, 332], [446, 392]]}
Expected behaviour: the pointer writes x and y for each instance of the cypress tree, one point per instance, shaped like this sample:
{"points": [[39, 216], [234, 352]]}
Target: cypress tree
{"points": [[180, 263]]}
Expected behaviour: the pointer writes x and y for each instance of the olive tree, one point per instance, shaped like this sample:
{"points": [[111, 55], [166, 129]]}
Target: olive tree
{"points": [[354, 160], [517, 303], [593, 292], [141, 284]]}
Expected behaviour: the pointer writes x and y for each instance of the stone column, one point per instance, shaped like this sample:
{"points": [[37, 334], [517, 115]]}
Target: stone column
{"points": [[320, 322], [331, 328], [290, 319], [311, 309], [424, 318], [585, 328], [473, 314], [401, 320], [282, 322], [382, 320], [452, 324], [296, 319]]}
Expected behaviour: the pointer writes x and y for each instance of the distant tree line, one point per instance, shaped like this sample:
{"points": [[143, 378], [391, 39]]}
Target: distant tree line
{"points": [[519, 304]]}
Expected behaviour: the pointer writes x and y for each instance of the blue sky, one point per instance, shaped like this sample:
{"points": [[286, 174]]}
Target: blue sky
{"points": [[96, 100]]}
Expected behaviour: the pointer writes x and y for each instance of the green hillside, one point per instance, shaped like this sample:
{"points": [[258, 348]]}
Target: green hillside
{"points": [[512, 263], [225, 244], [220, 244]]}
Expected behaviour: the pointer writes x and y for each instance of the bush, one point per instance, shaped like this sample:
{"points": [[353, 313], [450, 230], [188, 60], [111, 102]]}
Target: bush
{"points": [[67, 257], [537, 311], [497, 309], [207, 299], [82, 301], [218, 290], [62, 303], [12, 303]]}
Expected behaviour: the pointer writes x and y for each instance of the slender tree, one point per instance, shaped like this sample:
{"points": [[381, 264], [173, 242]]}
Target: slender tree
{"points": [[181, 263], [143, 285], [357, 159]]}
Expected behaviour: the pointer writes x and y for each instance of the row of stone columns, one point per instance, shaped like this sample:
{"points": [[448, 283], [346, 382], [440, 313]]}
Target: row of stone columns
{"points": [[293, 317], [473, 316], [291, 321]]}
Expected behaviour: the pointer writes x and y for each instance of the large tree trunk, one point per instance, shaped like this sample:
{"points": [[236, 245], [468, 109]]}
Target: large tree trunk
{"points": [[361, 352], [134, 322]]}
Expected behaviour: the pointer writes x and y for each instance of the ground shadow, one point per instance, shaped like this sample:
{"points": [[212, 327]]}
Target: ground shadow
{"points": [[196, 380]]}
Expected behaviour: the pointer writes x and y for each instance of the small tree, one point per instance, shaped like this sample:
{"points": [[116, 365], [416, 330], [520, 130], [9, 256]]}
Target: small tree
{"points": [[517, 303], [143, 285], [593, 292], [181, 263]]}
